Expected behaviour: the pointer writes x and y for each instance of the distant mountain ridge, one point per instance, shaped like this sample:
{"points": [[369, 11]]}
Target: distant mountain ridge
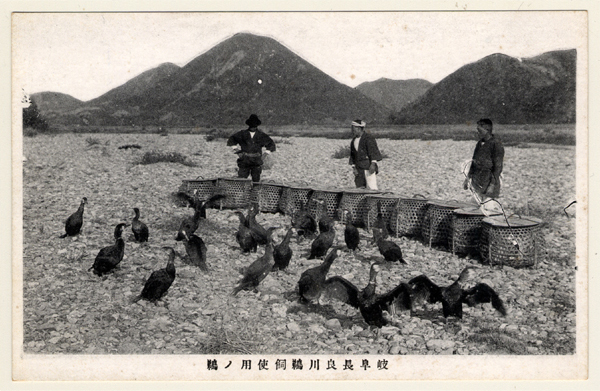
{"points": [[394, 94], [242, 75], [247, 74], [507, 90]]}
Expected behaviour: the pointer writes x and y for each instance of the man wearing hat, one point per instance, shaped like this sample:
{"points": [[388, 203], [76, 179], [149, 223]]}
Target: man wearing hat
{"points": [[364, 156], [483, 177], [248, 144]]}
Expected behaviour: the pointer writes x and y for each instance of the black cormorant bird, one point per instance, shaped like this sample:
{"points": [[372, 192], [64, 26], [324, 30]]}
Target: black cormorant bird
{"points": [[322, 243], [391, 251], [196, 250], [140, 230], [351, 234], [244, 235], [453, 296], [282, 253], [160, 280], [259, 233], [371, 305], [258, 270], [310, 284], [190, 224], [324, 220], [109, 257], [305, 224], [380, 224], [75, 221]]}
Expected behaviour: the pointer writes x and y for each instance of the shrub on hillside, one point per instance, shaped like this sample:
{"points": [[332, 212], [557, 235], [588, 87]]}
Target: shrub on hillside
{"points": [[215, 134], [152, 157]]}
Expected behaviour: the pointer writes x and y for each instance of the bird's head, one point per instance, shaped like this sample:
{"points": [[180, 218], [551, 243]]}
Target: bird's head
{"points": [[467, 273]]}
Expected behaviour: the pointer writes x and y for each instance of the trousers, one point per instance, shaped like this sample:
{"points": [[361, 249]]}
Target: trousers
{"points": [[366, 180]]}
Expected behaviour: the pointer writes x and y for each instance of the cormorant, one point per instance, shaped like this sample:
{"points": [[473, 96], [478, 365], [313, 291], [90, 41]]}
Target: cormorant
{"points": [[310, 284], [244, 235], [322, 243], [75, 221], [370, 304], [351, 234], [109, 257], [391, 251], [282, 253], [258, 270], [160, 280], [140, 230], [196, 250], [453, 296]]}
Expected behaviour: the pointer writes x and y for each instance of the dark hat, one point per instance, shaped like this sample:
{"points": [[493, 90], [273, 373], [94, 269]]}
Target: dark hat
{"points": [[253, 121]]}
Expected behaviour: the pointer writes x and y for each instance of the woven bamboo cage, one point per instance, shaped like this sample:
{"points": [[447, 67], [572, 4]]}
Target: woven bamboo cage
{"points": [[407, 218], [516, 241], [438, 220], [355, 201]]}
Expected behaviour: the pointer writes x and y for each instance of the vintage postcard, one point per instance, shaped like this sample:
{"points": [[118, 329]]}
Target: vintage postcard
{"points": [[300, 194]]}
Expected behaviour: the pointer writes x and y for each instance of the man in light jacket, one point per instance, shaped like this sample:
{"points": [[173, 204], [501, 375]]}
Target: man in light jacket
{"points": [[364, 156]]}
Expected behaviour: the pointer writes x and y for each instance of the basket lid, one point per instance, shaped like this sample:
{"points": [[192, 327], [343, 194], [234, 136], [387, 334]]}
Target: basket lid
{"points": [[499, 221], [473, 211], [361, 191], [235, 179], [415, 198], [200, 180], [450, 204], [268, 184], [327, 190], [384, 197]]}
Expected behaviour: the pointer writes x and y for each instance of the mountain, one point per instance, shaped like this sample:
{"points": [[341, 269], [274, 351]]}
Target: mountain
{"points": [[394, 94], [242, 75], [54, 102], [505, 89], [138, 86]]}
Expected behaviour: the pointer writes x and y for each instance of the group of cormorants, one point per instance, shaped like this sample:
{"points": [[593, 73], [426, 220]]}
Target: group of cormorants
{"points": [[377, 309]]}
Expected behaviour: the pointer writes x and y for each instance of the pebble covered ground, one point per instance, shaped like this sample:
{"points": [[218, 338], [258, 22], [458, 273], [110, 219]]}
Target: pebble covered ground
{"points": [[67, 309]]}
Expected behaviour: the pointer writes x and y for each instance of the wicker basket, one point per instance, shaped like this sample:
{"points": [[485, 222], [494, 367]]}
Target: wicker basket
{"points": [[389, 204], [407, 219], [518, 243], [267, 196], [355, 200], [292, 198], [332, 199], [465, 230], [204, 188], [438, 219], [237, 192]]}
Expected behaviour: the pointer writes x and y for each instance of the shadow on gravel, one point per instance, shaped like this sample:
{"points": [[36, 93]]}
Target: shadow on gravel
{"points": [[326, 311]]}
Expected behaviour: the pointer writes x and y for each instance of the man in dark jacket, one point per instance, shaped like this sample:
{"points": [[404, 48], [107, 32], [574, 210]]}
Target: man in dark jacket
{"points": [[364, 156], [248, 144], [484, 175]]}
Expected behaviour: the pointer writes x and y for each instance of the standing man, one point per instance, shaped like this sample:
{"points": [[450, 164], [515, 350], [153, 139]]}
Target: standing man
{"points": [[364, 156], [248, 144], [484, 174]]}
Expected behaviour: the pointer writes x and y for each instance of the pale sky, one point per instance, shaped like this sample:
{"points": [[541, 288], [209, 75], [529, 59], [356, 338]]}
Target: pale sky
{"points": [[87, 54]]}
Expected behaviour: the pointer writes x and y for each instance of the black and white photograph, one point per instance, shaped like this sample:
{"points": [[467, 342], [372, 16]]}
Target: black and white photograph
{"points": [[300, 195]]}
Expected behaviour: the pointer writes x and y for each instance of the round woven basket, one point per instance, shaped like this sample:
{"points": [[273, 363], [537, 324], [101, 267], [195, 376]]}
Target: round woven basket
{"points": [[389, 203], [355, 201], [518, 242], [465, 230], [203, 188], [267, 196], [237, 192], [292, 198], [407, 218], [332, 200], [438, 219]]}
